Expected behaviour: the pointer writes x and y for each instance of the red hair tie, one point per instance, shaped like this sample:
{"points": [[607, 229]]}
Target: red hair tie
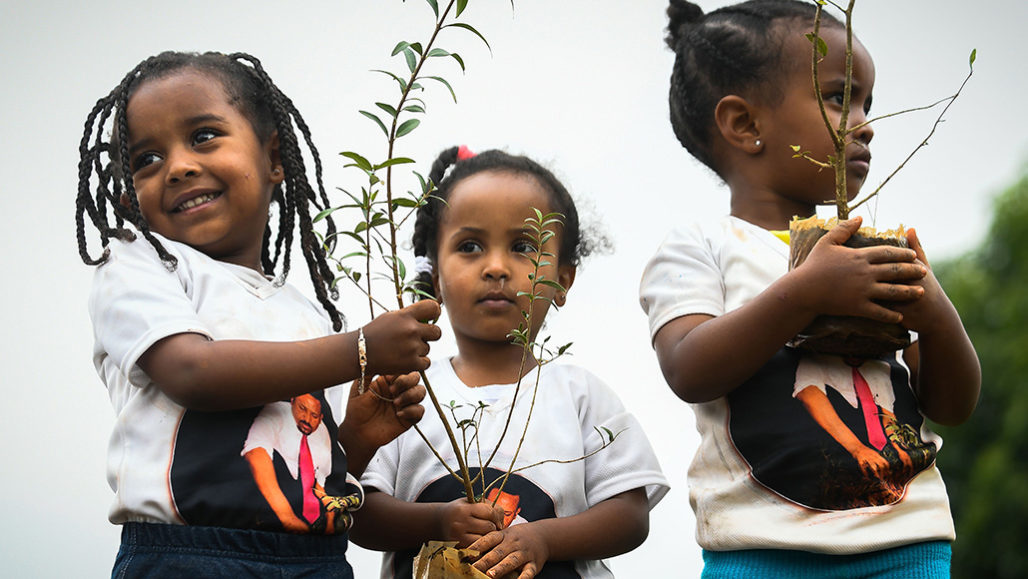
{"points": [[464, 153]]}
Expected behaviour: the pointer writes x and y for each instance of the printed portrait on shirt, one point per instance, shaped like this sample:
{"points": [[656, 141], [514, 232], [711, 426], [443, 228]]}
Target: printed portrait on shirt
{"points": [[828, 432], [277, 467]]}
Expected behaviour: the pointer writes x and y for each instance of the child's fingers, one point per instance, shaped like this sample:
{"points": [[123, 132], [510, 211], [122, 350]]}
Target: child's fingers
{"points": [[894, 272], [485, 544], [888, 254], [880, 313], [841, 232], [424, 310], [895, 292], [915, 244], [512, 562], [400, 384]]}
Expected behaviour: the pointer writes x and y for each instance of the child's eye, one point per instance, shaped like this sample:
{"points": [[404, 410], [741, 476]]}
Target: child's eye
{"points": [[144, 160], [469, 247], [203, 135], [524, 246], [834, 97]]}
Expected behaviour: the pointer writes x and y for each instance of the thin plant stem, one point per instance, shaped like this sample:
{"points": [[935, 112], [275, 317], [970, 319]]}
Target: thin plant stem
{"points": [[923, 142]]}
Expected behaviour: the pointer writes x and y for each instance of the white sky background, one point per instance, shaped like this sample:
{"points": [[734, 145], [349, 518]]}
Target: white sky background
{"points": [[580, 85]]}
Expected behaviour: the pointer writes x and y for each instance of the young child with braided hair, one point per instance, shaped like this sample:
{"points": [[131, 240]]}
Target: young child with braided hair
{"points": [[810, 465], [551, 519], [234, 451]]}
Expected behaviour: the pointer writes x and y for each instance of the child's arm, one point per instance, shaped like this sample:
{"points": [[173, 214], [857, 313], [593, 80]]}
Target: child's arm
{"points": [[203, 374], [945, 372], [387, 408], [386, 523], [705, 357], [611, 527]]}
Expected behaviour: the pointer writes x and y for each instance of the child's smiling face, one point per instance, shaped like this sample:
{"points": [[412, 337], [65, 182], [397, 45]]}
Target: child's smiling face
{"points": [[201, 174], [796, 120], [483, 256]]}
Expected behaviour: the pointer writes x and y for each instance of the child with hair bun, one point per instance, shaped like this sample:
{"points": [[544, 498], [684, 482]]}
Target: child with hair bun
{"points": [[234, 452], [809, 465], [550, 519]]}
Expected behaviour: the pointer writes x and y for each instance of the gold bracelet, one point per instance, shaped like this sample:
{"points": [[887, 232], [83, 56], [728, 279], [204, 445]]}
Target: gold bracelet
{"points": [[362, 358]]}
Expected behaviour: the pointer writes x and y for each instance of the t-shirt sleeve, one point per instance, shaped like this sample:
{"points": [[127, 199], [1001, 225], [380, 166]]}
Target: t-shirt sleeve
{"points": [[628, 462], [135, 302], [682, 278]]}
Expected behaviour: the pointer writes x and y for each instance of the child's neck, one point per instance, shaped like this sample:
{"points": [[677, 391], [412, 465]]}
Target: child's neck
{"points": [[482, 364]]}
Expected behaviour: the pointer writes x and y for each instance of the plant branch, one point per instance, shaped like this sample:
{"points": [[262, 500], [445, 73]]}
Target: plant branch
{"points": [[924, 142]]}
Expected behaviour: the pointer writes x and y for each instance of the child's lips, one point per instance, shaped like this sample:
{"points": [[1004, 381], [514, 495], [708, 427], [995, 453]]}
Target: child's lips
{"points": [[861, 161], [496, 300]]}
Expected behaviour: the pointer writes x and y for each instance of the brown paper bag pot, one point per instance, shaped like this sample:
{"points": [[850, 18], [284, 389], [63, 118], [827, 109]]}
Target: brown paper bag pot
{"points": [[845, 335], [443, 560]]}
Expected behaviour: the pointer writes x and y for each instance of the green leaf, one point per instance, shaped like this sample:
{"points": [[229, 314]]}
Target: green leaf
{"points": [[818, 42], [405, 202], [325, 213], [471, 29], [354, 235], [401, 268], [407, 126], [416, 46], [399, 47], [435, 7], [412, 60], [459, 60], [446, 84], [357, 159], [400, 81], [414, 109], [971, 59], [437, 52], [381, 125], [394, 161], [387, 108], [552, 284], [461, 5]]}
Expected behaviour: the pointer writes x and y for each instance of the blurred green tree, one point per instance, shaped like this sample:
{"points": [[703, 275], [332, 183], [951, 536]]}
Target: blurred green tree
{"points": [[985, 461]]}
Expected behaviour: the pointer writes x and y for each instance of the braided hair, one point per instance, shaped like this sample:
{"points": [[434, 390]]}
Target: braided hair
{"points": [[107, 196], [448, 170], [736, 49]]}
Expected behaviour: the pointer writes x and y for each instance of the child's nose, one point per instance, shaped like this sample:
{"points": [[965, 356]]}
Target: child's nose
{"points": [[181, 165], [863, 133], [496, 267]]}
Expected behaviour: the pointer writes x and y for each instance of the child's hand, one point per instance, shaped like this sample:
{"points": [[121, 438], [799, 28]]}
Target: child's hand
{"points": [[839, 280], [918, 314], [513, 548], [397, 341], [466, 522], [389, 406]]}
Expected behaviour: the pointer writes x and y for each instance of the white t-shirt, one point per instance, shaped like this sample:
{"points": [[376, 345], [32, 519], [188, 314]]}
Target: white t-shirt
{"points": [[572, 407], [767, 474], [167, 464]]}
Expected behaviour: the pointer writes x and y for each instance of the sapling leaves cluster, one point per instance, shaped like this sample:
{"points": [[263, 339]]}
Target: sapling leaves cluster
{"points": [[372, 261]]}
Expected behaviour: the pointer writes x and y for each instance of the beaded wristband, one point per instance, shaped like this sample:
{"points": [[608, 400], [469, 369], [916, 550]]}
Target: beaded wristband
{"points": [[362, 358]]}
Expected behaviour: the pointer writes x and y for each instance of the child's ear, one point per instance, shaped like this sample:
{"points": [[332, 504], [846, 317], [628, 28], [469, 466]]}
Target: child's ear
{"points": [[565, 277], [435, 288], [271, 149], [737, 121]]}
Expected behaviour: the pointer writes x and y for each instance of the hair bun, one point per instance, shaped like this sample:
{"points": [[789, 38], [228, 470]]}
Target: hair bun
{"points": [[681, 15]]}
